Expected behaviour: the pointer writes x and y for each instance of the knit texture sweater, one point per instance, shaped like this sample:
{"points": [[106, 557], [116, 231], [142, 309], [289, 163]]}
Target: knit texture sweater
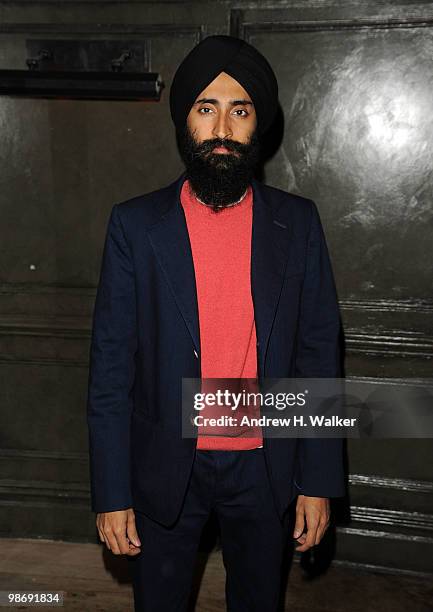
{"points": [[221, 250]]}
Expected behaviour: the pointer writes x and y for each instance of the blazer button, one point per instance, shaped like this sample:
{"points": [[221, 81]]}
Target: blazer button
{"points": [[195, 353]]}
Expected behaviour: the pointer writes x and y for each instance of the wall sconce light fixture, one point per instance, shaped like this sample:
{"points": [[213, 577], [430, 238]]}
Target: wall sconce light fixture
{"points": [[75, 70]]}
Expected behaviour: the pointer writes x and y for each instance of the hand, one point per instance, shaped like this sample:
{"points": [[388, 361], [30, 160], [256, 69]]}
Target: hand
{"points": [[316, 511], [117, 530]]}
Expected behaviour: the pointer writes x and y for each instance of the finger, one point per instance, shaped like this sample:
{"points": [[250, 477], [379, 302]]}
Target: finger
{"points": [[324, 521], [112, 541], [101, 536], [131, 531], [301, 538], [121, 539], [132, 548], [299, 523], [309, 541], [100, 528], [310, 537], [323, 526], [106, 540]]}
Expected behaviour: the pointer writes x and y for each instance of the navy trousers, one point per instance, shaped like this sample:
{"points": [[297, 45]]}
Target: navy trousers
{"points": [[235, 486]]}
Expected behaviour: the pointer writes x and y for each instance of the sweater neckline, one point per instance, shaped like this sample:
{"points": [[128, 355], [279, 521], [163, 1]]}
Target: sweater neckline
{"points": [[188, 195]]}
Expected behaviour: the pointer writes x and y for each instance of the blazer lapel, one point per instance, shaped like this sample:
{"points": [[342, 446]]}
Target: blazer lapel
{"points": [[170, 240], [270, 247]]}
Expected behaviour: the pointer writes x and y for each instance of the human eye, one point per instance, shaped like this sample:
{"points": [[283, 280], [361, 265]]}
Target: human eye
{"points": [[241, 110], [204, 108]]}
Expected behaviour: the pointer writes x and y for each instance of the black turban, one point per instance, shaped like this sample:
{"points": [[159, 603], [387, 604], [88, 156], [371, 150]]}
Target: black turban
{"points": [[236, 57]]}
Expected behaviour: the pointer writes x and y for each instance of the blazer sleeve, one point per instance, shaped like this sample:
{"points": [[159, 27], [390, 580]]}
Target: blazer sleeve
{"points": [[320, 460], [112, 373]]}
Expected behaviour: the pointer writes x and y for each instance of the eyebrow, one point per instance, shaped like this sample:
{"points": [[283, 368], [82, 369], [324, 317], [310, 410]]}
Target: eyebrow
{"points": [[216, 102]]}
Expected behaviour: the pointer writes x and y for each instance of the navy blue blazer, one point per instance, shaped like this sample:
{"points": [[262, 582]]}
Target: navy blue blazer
{"points": [[145, 338]]}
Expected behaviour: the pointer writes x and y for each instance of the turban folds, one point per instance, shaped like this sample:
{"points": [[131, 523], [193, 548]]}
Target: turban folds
{"points": [[236, 57]]}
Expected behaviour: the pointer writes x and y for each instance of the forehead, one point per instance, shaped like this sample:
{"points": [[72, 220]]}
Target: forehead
{"points": [[224, 86]]}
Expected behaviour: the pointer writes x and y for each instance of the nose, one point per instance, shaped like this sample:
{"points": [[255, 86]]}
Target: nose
{"points": [[222, 127]]}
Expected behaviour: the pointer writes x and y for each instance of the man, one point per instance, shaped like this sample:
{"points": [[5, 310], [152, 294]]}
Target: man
{"points": [[215, 275]]}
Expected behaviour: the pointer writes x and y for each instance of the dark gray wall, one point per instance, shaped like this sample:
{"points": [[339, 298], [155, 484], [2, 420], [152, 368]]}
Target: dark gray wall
{"points": [[356, 83]]}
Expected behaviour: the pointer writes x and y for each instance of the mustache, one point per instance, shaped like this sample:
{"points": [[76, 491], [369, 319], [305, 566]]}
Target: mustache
{"points": [[207, 146]]}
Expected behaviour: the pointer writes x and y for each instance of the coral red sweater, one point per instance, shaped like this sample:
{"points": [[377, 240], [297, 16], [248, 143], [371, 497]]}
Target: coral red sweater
{"points": [[221, 250]]}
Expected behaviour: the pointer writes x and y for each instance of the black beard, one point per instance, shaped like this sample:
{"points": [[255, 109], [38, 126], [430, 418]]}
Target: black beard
{"points": [[218, 179]]}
